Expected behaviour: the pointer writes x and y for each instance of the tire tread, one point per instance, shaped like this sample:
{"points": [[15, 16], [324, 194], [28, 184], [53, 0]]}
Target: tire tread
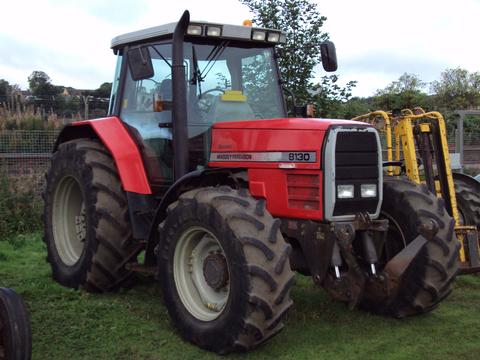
{"points": [[266, 257]]}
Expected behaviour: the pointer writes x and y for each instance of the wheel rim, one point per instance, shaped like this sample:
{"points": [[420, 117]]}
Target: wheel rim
{"points": [[201, 273], [68, 220]]}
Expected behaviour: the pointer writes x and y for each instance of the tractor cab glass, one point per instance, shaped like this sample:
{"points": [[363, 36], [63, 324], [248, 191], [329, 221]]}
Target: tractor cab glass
{"points": [[152, 129], [225, 81], [116, 79], [230, 82]]}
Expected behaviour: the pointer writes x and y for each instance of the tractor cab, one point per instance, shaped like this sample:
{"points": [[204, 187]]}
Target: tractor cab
{"points": [[227, 73], [222, 73]]}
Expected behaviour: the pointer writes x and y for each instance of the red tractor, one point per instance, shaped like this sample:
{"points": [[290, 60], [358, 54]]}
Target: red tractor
{"points": [[199, 172]]}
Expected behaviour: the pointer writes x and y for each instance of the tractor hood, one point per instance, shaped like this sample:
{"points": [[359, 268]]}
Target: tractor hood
{"points": [[286, 124], [290, 143]]}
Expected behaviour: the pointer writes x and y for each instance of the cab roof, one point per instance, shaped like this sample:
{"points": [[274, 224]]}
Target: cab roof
{"points": [[234, 32]]}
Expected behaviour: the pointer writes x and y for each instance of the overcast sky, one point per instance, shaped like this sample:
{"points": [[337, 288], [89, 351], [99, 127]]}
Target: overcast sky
{"points": [[376, 40]]}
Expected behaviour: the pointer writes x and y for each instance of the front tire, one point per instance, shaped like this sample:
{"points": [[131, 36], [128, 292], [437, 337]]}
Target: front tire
{"points": [[87, 229], [233, 293], [15, 334], [428, 280]]}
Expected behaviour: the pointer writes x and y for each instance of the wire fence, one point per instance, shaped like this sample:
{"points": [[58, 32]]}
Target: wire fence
{"points": [[25, 154], [472, 138]]}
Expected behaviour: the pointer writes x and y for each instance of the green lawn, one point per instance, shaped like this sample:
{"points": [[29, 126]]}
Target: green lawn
{"points": [[134, 324]]}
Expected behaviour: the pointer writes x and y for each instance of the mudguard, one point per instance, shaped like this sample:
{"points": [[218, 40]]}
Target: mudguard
{"points": [[113, 133]]}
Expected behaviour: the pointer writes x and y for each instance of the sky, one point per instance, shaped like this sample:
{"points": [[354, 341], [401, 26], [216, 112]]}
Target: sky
{"points": [[377, 41]]}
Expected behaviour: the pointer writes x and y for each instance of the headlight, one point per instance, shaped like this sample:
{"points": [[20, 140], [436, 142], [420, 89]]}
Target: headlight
{"points": [[259, 35], [368, 190], [194, 30], [214, 31], [345, 191], [273, 37]]}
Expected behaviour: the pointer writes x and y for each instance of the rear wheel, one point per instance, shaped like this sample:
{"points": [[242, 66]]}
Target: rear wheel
{"points": [[15, 335], [87, 229], [467, 191], [224, 269], [427, 281]]}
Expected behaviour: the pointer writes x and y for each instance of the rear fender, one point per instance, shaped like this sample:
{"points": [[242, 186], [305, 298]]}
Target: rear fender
{"points": [[116, 138]]}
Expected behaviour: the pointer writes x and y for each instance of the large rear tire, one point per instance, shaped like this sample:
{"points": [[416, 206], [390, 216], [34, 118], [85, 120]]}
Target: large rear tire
{"points": [[15, 334], [467, 191], [224, 269], [428, 280], [87, 228]]}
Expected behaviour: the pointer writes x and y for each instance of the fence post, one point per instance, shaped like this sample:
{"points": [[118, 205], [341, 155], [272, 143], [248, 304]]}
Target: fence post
{"points": [[459, 141], [85, 100]]}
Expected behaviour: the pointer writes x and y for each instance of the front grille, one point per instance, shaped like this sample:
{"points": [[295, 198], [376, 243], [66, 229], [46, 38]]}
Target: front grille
{"points": [[356, 163], [303, 191]]}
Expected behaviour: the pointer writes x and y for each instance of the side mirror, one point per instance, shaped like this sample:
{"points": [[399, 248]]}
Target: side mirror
{"points": [[140, 63], [329, 56]]}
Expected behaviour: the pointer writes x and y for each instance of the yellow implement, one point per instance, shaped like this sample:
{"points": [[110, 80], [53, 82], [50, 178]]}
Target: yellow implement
{"points": [[421, 138]]}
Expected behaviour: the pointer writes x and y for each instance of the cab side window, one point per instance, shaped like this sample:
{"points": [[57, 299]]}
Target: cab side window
{"points": [[144, 109]]}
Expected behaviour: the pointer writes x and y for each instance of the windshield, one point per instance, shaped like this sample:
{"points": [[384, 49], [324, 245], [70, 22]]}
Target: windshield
{"points": [[228, 82]]}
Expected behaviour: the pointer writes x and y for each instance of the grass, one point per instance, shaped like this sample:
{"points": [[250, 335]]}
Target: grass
{"points": [[68, 324]]}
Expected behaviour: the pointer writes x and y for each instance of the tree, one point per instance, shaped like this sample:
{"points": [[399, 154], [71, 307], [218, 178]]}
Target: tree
{"points": [[356, 106], [457, 89], [406, 82], [104, 90], [331, 97], [4, 88], [10, 95], [40, 84], [301, 21], [406, 92]]}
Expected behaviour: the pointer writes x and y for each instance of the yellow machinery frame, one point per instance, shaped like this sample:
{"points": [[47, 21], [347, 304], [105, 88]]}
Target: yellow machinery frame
{"points": [[412, 127]]}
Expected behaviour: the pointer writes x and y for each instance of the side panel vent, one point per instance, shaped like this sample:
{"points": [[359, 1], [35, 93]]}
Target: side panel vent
{"points": [[303, 191]]}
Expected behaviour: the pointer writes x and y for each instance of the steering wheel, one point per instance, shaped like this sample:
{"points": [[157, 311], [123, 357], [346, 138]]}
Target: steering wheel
{"points": [[204, 104]]}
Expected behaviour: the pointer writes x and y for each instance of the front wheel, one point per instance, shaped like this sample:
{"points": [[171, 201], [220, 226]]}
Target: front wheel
{"points": [[224, 269], [428, 280]]}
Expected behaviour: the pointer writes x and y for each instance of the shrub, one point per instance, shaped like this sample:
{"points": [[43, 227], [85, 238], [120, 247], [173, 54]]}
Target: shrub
{"points": [[20, 206], [29, 119]]}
